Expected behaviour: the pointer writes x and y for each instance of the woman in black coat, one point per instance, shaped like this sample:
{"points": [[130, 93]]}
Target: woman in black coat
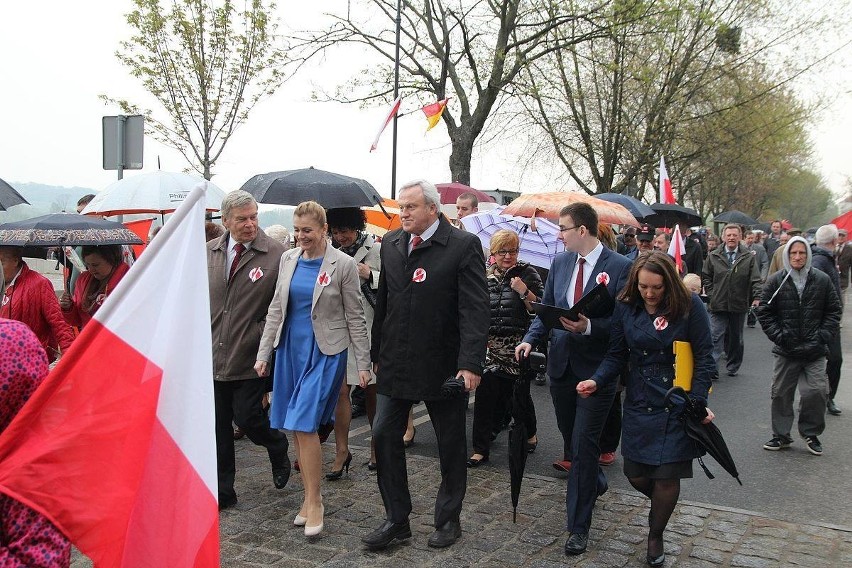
{"points": [[512, 285], [654, 310]]}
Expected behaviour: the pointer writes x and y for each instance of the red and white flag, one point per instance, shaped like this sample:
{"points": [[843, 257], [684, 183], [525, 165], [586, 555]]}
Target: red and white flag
{"points": [[676, 249], [394, 109], [117, 446], [666, 193]]}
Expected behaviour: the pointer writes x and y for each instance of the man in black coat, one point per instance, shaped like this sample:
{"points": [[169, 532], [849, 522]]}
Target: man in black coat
{"points": [[431, 323], [799, 312], [823, 259]]}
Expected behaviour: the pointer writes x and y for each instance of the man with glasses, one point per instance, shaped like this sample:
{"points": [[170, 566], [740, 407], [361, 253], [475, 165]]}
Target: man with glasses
{"points": [[627, 244], [575, 352]]}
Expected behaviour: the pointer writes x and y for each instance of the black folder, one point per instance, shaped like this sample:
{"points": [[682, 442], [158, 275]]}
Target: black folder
{"points": [[597, 303]]}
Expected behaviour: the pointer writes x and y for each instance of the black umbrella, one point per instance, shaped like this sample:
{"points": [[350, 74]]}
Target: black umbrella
{"points": [[669, 215], [326, 188], [518, 439], [9, 197], [66, 229], [640, 210], [734, 216], [706, 436]]}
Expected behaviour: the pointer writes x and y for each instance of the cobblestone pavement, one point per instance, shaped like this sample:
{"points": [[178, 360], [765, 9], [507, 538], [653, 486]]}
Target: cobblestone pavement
{"points": [[259, 530]]}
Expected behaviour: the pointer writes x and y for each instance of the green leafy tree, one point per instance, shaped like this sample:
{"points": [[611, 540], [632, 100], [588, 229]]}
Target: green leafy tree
{"points": [[207, 64]]}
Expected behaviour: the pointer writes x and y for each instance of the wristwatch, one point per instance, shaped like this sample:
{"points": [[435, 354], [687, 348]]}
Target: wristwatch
{"points": [[525, 294]]}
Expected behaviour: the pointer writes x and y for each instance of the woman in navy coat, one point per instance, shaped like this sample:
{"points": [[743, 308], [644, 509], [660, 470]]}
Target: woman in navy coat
{"points": [[654, 310]]}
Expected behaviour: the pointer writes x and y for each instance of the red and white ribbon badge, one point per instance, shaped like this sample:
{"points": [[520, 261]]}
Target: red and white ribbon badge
{"points": [[324, 279], [419, 275], [255, 274], [100, 299], [5, 299], [661, 323], [602, 278]]}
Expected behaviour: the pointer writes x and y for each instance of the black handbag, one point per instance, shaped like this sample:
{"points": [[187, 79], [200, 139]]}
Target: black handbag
{"points": [[369, 294]]}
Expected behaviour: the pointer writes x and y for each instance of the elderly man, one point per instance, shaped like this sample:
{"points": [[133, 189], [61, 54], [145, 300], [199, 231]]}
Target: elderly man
{"points": [[799, 312], [763, 263], [627, 243], [731, 279], [430, 325], [575, 352], [822, 253], [662, 241], [242, 270]]}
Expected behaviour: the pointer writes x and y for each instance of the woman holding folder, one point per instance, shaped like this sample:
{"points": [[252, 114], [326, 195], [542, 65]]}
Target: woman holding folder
{"points": [[653, 312]]}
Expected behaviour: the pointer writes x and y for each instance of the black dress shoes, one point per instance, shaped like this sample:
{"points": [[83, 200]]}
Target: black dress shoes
{"points": [[832, 408], [576, 544], [445, 535], [280, 478], [386, 534], [227, 502]]}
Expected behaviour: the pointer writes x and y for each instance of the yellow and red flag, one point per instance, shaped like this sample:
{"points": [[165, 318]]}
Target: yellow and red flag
{"points": [[433, 112]]}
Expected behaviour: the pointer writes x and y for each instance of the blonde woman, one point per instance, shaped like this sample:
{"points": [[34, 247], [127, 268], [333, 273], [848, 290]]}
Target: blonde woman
{"points": [[315, 315]]}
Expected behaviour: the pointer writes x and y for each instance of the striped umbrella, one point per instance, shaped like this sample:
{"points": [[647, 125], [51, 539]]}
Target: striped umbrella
{"points": [[539, 243], [378, 223]]}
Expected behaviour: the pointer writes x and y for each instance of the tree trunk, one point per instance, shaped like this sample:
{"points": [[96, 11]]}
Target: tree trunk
{"points": [[460, 159]]}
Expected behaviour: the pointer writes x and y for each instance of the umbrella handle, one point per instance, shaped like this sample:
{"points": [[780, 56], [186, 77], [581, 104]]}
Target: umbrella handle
{"points": [[679, 392]]}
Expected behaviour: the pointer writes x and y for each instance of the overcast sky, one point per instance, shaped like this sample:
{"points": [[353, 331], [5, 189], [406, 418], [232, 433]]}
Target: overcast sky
{"points": [[58, 57]]}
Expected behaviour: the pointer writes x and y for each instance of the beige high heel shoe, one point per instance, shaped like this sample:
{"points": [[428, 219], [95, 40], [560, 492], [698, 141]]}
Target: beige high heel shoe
{"points": [[316, 529]]}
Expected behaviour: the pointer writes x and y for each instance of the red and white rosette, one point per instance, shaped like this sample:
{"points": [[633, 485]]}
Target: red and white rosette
{"points": [[661, 323], [324, 279], [255, 274], [419, 275], [602, 278]]}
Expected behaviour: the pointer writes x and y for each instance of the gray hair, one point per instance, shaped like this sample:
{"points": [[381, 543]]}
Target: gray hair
{"points": [[430, 192], [236, 199], [826, 235], [280, 234]]}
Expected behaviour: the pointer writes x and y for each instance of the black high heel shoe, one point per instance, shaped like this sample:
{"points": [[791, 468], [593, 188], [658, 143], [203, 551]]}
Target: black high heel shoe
{"points": [[334, 475]]}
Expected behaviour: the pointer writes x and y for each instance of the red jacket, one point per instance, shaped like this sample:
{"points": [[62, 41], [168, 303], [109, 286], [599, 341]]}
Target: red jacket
{"points": [[32, 301], [79, 317]]}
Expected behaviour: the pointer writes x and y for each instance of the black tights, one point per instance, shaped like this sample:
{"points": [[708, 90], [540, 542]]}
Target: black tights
{"points": [[663, 494]]}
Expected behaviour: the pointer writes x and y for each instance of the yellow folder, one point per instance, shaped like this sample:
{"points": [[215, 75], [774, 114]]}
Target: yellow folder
{"points": [[683, 365]]}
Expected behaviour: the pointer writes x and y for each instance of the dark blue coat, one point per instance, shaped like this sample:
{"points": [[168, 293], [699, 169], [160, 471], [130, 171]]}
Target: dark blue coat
{"points": [[582, 352], [653, 434]]}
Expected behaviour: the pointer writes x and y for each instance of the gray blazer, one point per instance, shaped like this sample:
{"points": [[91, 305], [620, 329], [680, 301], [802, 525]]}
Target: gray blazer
{"points": [[336, 312]]}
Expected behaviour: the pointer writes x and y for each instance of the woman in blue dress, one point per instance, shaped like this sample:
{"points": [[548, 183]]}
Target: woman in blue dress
{"points": [[315, 315], [653, 311]]}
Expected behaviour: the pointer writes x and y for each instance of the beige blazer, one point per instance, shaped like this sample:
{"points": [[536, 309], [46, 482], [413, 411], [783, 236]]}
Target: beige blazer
{"points": [[337, 316]]}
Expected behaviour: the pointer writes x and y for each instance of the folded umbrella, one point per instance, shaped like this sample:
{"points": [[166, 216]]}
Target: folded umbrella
{"points": [[518, 440], [706, 436]]}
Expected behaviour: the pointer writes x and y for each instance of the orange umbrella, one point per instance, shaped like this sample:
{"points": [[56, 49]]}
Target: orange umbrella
{"points": [[548, 205], [378, 223]]}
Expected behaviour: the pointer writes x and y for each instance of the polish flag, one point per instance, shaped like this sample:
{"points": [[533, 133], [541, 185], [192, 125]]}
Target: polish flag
{"points": [[666, 194], [676, 248], [394, 109], [117, 446]]}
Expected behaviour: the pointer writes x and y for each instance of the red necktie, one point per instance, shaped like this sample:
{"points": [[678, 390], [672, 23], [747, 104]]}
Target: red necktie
{"points": [[415, 241], [578, 286], [238, 249]]}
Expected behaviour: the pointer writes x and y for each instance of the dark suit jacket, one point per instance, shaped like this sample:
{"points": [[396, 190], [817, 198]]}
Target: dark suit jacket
{"points": [[425, 331], [582, 352]]}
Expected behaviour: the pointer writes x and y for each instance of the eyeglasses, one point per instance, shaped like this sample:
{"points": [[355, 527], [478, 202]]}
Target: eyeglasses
{"points": [[565, 229], [506, 252]]}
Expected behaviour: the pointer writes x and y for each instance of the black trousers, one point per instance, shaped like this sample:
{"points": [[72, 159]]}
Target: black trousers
{"points": [[493, 397], [448, 419], [240, 402], [833, 364]]}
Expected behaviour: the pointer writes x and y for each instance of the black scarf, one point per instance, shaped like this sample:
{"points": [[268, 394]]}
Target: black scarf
{"points": [[353, 248]]}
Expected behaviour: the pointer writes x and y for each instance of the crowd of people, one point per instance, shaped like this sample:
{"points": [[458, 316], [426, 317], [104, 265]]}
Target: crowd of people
{"points": [[302, 324]]}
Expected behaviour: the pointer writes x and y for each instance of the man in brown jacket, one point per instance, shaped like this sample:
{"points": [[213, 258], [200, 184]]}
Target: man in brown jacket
{"points": [[242, 269]]}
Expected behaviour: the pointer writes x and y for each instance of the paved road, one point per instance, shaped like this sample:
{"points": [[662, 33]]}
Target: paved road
{"points": [[792, 485]]}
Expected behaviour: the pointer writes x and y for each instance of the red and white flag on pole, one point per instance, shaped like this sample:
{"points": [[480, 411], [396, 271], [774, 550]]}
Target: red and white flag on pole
{"points": [[666, 193], [117, 446], [394, 109], [676, 248]]}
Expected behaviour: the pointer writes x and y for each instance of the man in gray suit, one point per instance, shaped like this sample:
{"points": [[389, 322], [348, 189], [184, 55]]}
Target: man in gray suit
{"points": [[242, 269]]}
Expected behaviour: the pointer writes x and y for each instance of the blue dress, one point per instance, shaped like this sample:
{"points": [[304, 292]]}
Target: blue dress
{"points": [[307, 382]]}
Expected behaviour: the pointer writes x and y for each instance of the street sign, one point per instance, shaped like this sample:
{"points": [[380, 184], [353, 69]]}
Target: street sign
{"points": [[123, 139]]}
